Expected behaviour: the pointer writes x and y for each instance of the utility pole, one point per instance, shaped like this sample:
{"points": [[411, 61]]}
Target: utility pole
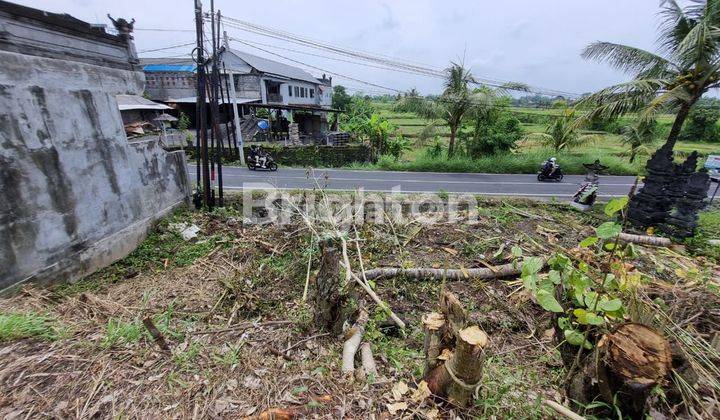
{"points": [[214, 107], [233, 99], [201, 115]]}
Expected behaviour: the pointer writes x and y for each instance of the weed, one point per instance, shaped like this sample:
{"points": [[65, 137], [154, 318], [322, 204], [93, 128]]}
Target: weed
{"points": [[119, 333], [15, 326], [231, 356], [443, 194], [184, 359]]}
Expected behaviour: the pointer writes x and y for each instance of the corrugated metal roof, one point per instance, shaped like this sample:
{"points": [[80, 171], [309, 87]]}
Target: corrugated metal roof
{"points": [[126, 102], [193, 99], [265, 65], [169, 68]]}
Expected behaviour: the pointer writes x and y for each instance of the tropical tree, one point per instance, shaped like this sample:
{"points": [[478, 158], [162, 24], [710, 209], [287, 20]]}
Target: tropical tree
{"points": [[638, 136], [564, 131], [455, 101], [686, 66]]}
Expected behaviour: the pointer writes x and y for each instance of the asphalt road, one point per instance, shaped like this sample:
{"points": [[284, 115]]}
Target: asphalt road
{"points": [[519, 185]]}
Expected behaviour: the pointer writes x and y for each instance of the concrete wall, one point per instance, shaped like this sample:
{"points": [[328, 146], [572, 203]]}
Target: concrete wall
{"points": [[76, 195]]}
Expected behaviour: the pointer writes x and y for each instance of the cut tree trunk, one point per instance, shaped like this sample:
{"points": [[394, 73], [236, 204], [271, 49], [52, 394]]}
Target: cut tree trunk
{"points": [[368, 362], [459, 377], [454, 352], [433, 325], [496, 272], [625, 365], [328, 299]]}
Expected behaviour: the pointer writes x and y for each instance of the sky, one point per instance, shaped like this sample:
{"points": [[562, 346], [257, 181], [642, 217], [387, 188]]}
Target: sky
{"points": [[529, 41]]}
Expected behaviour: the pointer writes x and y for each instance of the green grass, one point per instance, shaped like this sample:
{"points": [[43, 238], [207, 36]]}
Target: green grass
{"points": [[530, 152], [120, 333], [526, 162], [15, 326], [708, 228]]}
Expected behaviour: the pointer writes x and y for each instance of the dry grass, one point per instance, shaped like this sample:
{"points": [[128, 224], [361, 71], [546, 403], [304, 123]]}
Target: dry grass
{"points": [[230, 313]]}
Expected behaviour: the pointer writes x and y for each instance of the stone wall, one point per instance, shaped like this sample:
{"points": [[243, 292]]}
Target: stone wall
{"points": [[76, 195]]}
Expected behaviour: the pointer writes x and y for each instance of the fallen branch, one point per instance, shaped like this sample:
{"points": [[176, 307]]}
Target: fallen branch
{"points": [[645, 240], [156, 334], [353, 342], [368, 363], [499, 271], [561, 409], [350, 275]]}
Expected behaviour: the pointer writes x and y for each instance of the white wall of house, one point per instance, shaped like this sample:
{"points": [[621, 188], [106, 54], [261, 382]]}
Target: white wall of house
{"points": [[303, 93]]}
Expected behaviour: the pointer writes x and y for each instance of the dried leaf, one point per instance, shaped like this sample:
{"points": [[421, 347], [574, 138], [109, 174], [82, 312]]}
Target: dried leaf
{"points": [[432, 414], [450, 251], [252, 382], [399, 389], [395, 407], [421, 393]]}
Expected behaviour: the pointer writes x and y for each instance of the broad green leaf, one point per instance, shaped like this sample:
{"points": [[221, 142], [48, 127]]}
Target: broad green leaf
{"points": [[615, 205], [560, 262], [588, 318], [530, 282], [516, 251], [590, 299], [531, 265], [610, 305], [608, 230], [576, 338], [609, 246], [590, 240], [548, 301], [554, 277], [564, 322]]}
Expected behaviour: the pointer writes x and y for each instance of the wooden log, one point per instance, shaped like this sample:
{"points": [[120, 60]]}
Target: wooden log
{"points": [[353, 342], [454, 313], [496, 272], [459, 377], [624, 367], [645, 240], [433, 326]]}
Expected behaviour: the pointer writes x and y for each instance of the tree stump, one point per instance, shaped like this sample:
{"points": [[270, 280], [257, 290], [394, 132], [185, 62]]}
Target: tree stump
{"points": [[625, 365], [454, 352], [329, 299]]}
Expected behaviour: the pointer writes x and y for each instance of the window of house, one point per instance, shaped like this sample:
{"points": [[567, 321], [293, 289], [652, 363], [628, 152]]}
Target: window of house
{"points": [[289, 90], [297, 91], [312, 93]]}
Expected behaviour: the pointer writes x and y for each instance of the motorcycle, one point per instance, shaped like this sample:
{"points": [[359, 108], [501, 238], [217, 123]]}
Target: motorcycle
{"points": [[253, 162], [544, 174]]}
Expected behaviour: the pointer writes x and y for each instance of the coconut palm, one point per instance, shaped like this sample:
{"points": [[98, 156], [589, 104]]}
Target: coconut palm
{"points": [[638, 136], [686, 66], [455, 101], [563, 132]]}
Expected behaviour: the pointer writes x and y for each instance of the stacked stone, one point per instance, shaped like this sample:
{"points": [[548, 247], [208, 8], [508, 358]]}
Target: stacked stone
{"points": [[294, 132], [651, 205], [682, 221]]}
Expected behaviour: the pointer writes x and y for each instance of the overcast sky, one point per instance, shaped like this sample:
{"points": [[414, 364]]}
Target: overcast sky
{"points": [[530, 41]]}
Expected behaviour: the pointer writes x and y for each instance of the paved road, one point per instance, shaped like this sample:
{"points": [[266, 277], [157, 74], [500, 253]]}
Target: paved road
{"points": [[522, 185]]}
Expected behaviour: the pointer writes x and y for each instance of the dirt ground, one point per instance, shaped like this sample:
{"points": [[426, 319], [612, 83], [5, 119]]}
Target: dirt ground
{"points": [[241, 338]]}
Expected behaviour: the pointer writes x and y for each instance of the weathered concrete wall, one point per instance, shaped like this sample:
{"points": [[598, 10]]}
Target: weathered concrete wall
{"points": [[76, 195]]}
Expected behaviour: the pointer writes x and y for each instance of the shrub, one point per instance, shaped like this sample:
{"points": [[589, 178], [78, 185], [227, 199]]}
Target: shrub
{"points": [[397, 145], [435, 150], [701, 124], [494, 136]]}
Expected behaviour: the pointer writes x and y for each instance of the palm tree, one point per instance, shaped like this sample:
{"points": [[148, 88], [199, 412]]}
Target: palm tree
{"points": [[638, 136], [686, 66], [563, 131], [455, 101]]}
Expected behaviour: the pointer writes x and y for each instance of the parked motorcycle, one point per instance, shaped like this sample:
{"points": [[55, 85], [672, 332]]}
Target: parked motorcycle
{"points": [[548, 174], [259, 159]]}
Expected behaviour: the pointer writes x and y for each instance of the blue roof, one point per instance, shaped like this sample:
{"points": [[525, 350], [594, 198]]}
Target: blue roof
{"points": [[170, 67]]}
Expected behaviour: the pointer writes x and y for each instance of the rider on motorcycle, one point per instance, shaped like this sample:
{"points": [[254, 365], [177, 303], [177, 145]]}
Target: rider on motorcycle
{"points": [[550, 166], [259, 155]]}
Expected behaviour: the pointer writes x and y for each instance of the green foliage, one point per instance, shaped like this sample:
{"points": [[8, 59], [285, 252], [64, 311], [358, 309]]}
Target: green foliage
{"points": [[397, 145], [708, 228], [435, 150], [340, 98], [563, 131], [120, 333], [701, 124], [495, 132], [14, 326], [639, 136], [183, 122], [585, 302]]}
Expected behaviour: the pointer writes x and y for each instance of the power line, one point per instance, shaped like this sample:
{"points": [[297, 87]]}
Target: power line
{"points": [[288, 37], [167, 48]]}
